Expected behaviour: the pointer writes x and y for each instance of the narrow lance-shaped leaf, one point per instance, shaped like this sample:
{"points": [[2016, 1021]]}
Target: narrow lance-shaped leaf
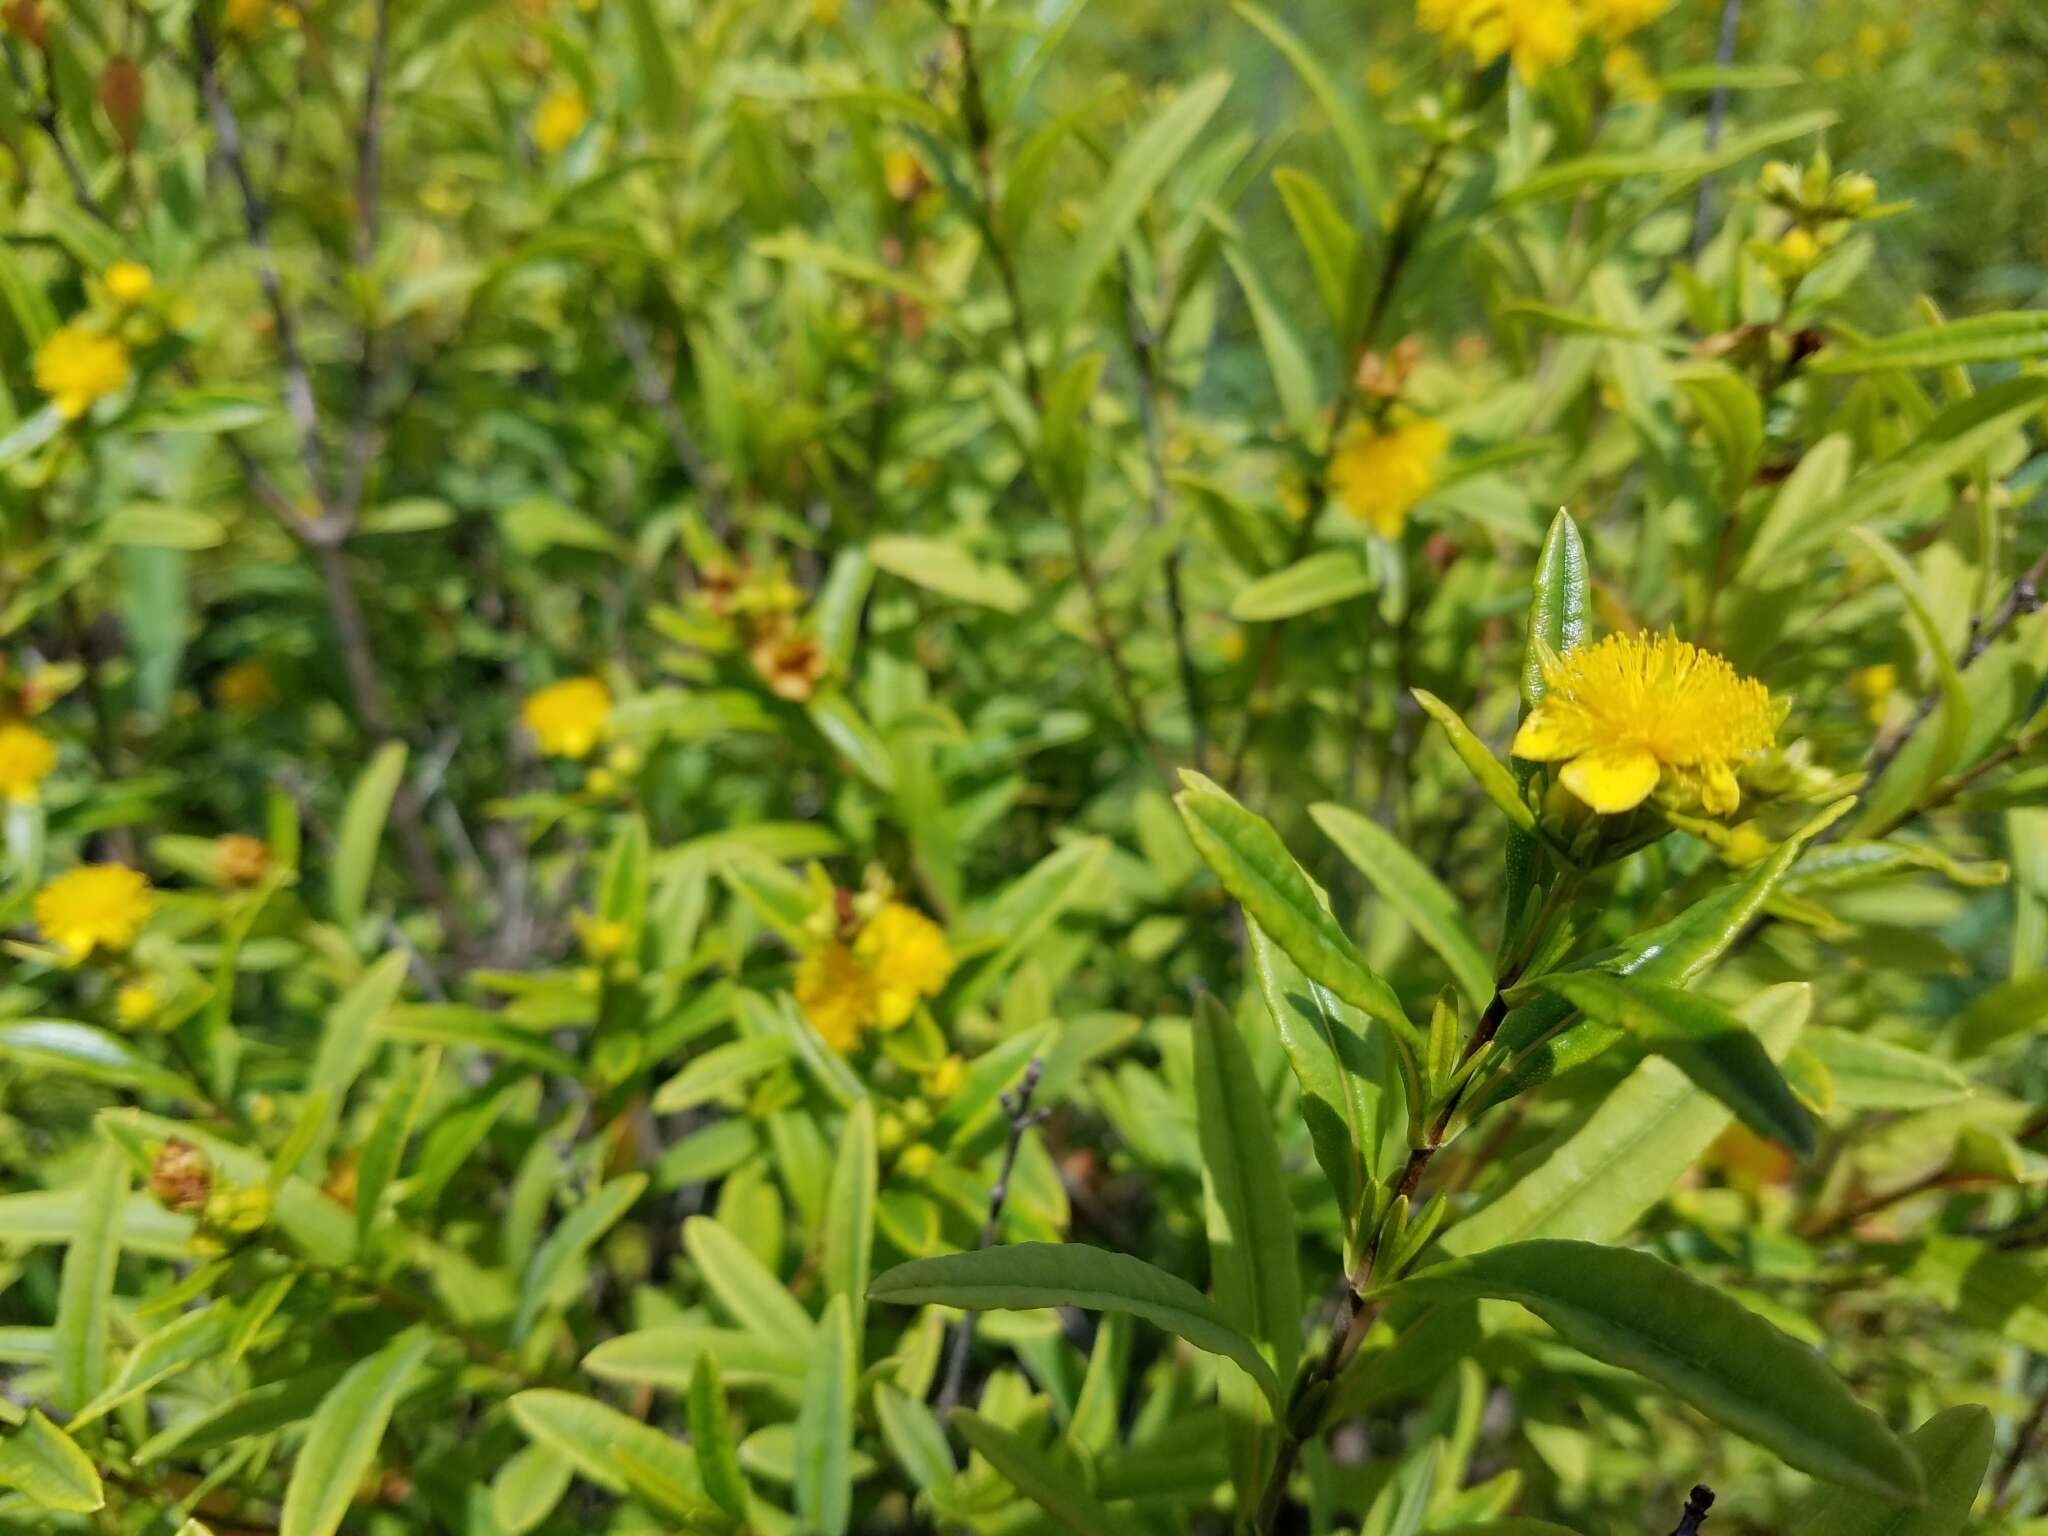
{"points": [[1051, 1487], [824, 1426], [579, 1230], [1954, 1451], [42, 1464], [1025, 1276], [1256, 868], [1560, 620], [711, 1437], [850, 1213], [362, 827], [86, 1286], [346, 1431], [1637, 1312], [1705, 1040], [1408, 886]]}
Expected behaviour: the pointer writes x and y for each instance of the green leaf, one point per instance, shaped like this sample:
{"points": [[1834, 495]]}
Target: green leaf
{"points": [[1350, 128], [528, 1486], [362, 827], [1896, 791], [667, 1356], [540, 523], [185, 1340], [1954, 1451], [1253, 1264], [1326, 237], [1348, 1065], [1560, 604], [85, 1288], [943, 567], [719, 1070], [1875, 1074], [2005, 336], [1816, 481], [1406, 884], [1032, 1474], [1322, 580], [914, 1437], [1023, 1276], [348, 1038], [660, 87], [841, 723], [1255, 867], [1630, 1151], [346, 1430], [824, 1425], [164, 527], [1294, 379], [1134, 176], [40, 1462], [382, 1153], [88, 1052], [591, 1218], [753, 1297], [1486, 770], [1952, 442], [1641, 1314], [1705, 1040], [849, 1237], [618, 1453], [718, 1460]]}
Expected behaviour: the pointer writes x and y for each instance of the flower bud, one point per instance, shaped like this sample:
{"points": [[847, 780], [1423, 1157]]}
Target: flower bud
{"points": [[181, 1176]]}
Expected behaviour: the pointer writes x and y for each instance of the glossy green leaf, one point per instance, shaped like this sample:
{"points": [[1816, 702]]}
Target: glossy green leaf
{"points": [[1486, 770], [85, 1286], [42, 1464], [578, 1232], [1637, 1312], [1407, 885], [1876, 1074], [362, 828], [719, 1071], [1954, 1451], [1051, 1487], [1321, 580], [1247, 855], [346, 1430], [1030, 1275]]}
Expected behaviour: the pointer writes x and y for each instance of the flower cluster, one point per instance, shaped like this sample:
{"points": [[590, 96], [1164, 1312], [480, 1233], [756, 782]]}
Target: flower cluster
{"points": [[1819, 208], [1633, 714], [872, 974], [1538, 35], [762, 610]]}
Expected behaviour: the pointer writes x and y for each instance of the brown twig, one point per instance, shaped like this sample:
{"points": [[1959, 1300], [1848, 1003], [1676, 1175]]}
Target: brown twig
{"points": [[1017, 1106], [1695, 1513]]}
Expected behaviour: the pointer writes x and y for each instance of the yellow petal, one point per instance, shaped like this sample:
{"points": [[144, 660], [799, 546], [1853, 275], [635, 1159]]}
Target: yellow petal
{"points": [[1611, 781], [1546, 736]]}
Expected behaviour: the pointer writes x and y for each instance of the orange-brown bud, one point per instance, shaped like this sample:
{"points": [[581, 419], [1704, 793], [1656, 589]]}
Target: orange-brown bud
{"points": [[121, 97], [181, 1177], [239, 859]]}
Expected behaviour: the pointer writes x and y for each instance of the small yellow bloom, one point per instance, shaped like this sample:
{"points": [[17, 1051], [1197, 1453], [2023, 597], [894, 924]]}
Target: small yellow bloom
{"points": [[946, 1078], [560, 117], [1380, 474], [568, 718], [1634, 711], [1537, 34], [908, 953], [136, 1003], [129, 282], [1618, 18], [95, 906], [1874, 685], [247, 17], [903, 173], [917, 1159], [602, 938], [27, 757], [837, 994], [1799, 248], [1871, 41], [1628, 75], [77, 365], [247, 688]]}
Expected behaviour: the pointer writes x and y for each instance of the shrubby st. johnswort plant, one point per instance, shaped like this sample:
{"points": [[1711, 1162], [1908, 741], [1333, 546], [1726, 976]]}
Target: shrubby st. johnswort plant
{"points": [[927, 765]]}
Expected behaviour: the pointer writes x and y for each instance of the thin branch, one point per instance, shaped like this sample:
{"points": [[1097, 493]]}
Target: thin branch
{"points": [[1696, 1508], [1717, 115], [49, 117], [1017, 1106], [2022, 1443], [369, 228], [298, 382]]}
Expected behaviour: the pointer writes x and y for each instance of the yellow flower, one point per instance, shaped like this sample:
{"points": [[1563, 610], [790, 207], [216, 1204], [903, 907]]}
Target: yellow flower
{"points": [[1628, 75], [136, 1003], [1618, 18], [77, 365], [568, 717], [603, 938], [246, 16], [129, 282], [95, 906], [903, 173], [1537, 34], [1632, 711], [837, 994], [26, 758], [560, 117], [1874, 685], [247, 688], [1379, 474], [910, 959]]}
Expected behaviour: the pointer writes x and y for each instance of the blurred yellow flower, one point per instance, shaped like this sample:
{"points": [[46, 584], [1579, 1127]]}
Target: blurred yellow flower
{"points": [[1537, 34], [908, 954], [246, 16], [568, 717], [95, 906], [246, 688], [559, 118], [27, 757], [1618, 18], [837, 994], [1874, 685], [1380, 473], [136, 1003], [77, 365], [1633, 710], [1872, 41], [1627, 74], [602, 938], [129, 282], [1799, 248], [903, 173]]}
